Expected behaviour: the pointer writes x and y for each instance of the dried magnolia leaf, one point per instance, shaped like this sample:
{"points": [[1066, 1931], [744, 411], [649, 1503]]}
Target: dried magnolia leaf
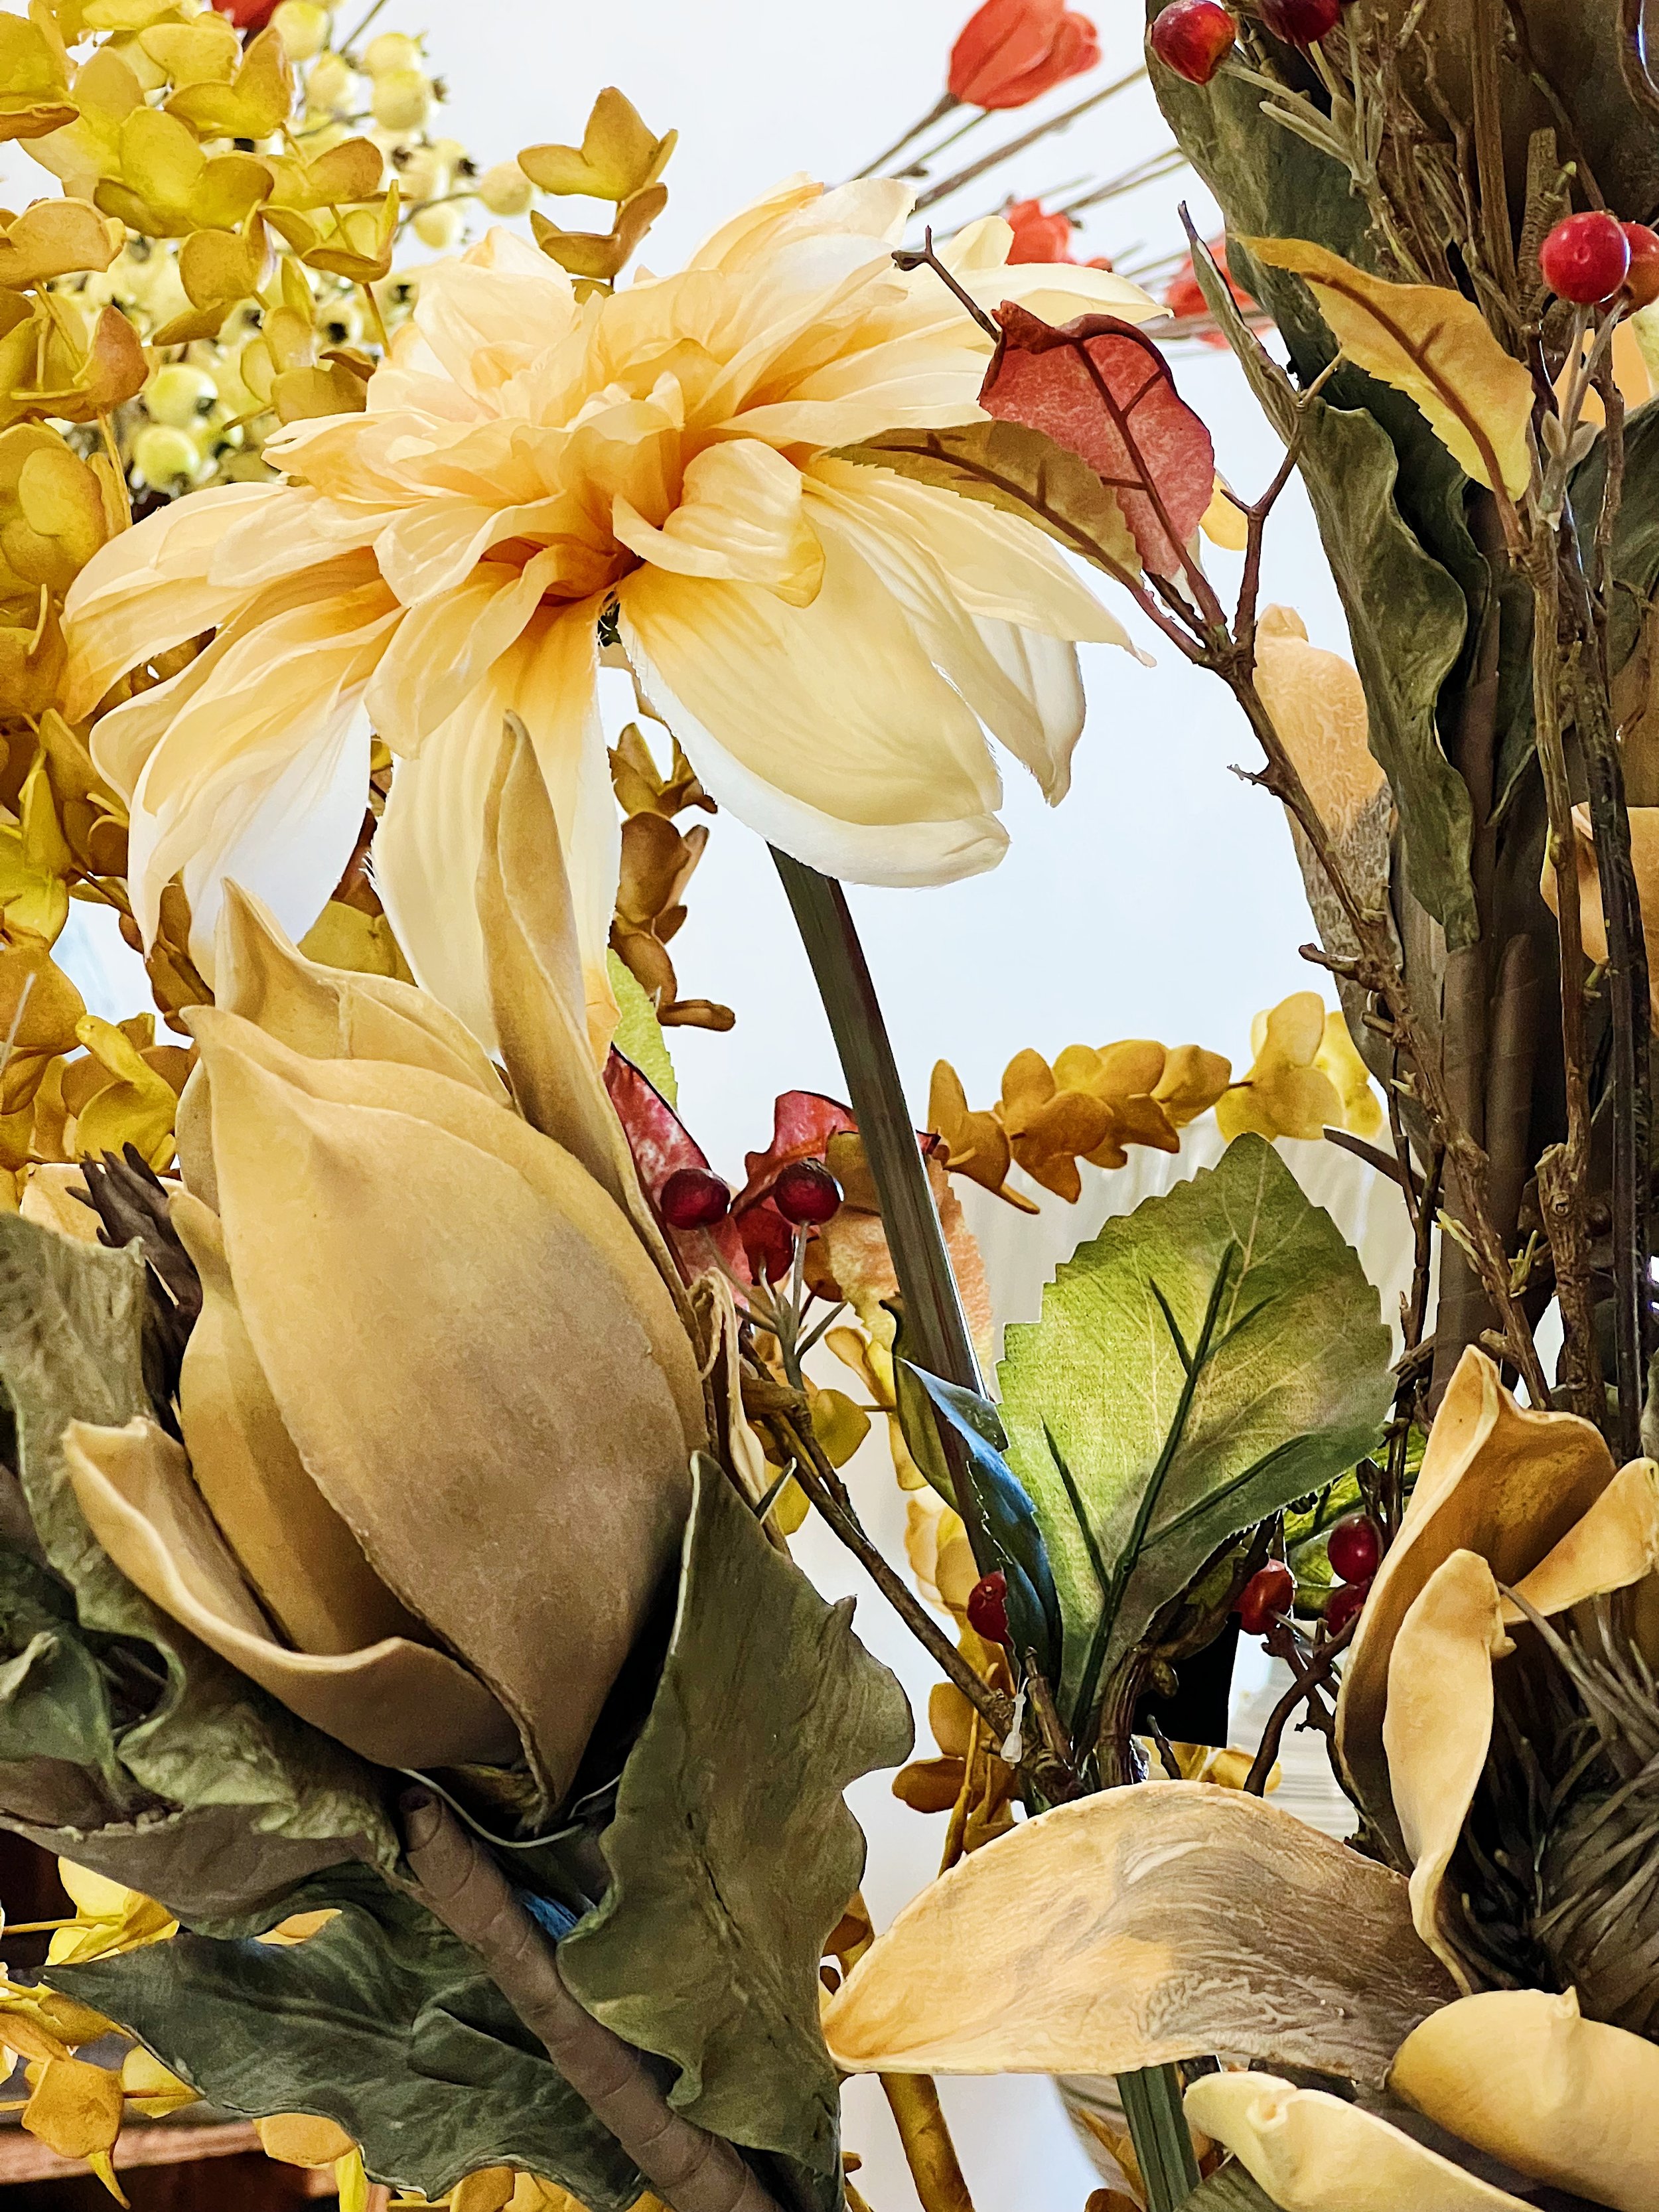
{"points": [[1616, 1544], [1521, 2076], [1311, 2152], [1139, 1926], [1433, 345], [1497, 1479]]}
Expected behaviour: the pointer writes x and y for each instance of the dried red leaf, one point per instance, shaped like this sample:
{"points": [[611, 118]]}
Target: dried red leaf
{"points": [[661, 1145], [1101, 387], [802, 1123]]}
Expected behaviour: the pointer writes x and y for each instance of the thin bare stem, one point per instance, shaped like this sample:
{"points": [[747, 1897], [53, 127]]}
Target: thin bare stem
{"points": [[943, 191], [947, 102]]}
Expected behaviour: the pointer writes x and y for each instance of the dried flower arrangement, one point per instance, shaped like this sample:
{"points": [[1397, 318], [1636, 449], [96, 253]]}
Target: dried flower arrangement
{"points": [[403, 1651]]}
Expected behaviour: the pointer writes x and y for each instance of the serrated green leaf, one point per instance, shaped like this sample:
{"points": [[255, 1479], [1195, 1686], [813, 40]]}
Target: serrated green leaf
{"points": [[239, 1800], [382, 2021], [731, 1852], [1021, 471], [639, 1034], [1293, 1389]]}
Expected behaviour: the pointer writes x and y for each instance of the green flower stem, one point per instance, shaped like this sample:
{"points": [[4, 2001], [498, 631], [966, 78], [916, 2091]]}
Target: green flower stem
{"points": [[933, 1308], [1163, 2141], [934, 1318]]}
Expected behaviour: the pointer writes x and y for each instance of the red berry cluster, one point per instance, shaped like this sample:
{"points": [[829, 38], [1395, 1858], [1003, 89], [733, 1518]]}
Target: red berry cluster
{"points": [[1354, 1548], [1194, 37], [1592, 258]]}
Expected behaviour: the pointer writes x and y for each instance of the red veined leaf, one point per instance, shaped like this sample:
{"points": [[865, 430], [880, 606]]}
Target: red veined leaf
{"points": [[662, 1145], [802, 1123], [1101, 387]]}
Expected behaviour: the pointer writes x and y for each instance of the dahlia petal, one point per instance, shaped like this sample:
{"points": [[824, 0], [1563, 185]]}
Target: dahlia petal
{"points": [[147, 589], [740, 518], [445, 646]]}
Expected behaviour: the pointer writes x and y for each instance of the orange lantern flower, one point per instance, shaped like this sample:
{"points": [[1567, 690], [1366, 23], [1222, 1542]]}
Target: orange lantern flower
{"points": [[1011, 51]]}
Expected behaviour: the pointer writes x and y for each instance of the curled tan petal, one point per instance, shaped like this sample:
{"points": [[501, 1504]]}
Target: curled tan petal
{"points": [[1137, 1927], [1312, 2153], [1567, 2100], [1438, 1726], [1644, 859], [452, 1318], [333, 1014], [1497, 1479], [1616, 1544], [397, 1703], [534, 965], [305, 1567], [433, 1099]]}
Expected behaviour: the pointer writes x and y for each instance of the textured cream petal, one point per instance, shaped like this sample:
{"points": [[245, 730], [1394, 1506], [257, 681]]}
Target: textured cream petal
{"points": [[304, 1565], [397, 1703], [1616, 1544], [740, 518], [1056, 291], [460, 1357], [147, 589], [1045, 672], [1437, 1727], [1569, 2101], [1136, 1927], [1497, 1479], [1313, 2153]]}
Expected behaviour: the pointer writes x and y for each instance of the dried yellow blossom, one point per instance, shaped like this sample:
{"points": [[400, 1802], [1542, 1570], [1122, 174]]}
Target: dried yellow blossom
{"points": [[77, 2109], [1306, 1076], [108, 1918]]}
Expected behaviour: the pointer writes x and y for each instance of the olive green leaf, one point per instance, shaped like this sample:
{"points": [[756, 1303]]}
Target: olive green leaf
{"points": [[238, 1799], [732, 1854], [1201, 1363], [1388, 496], [1230, 2190], [1022, 472], [382, 2021]]}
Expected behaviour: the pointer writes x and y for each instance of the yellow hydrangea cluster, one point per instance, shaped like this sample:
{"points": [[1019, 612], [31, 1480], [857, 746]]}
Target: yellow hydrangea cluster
{"points": [[1091, 1104]]}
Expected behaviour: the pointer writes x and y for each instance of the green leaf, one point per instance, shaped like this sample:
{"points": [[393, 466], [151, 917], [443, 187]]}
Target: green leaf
{"points": [[239, 1800], [1239, 1273], [731, 1852], [1019, 469], [639, 1034], [382, 2021], [1388, 497], [1230, 2190]]}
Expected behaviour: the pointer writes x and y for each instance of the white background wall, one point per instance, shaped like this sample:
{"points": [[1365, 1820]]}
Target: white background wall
{"points": [[1161, 900]]}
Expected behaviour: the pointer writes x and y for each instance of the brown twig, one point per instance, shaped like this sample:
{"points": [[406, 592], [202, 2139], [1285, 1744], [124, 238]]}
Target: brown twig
{"points": [[460, 1885], [795, 1441], [1000, 154], [1308, 1677]]}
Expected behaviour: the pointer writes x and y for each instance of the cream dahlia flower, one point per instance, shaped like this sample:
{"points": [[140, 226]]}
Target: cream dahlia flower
{"points": [[831, 643], [1454, 2038]]}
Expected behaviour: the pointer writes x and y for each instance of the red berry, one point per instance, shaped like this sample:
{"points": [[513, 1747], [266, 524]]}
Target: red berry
{"points": [[1194, 38], [1269, 1592], [807, 1194], [247, 15], [1642, 284], [1586, 257], [987, 1607], [1343, 1604], [1299, 22], [694, 1198], [1354, 1548]]}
